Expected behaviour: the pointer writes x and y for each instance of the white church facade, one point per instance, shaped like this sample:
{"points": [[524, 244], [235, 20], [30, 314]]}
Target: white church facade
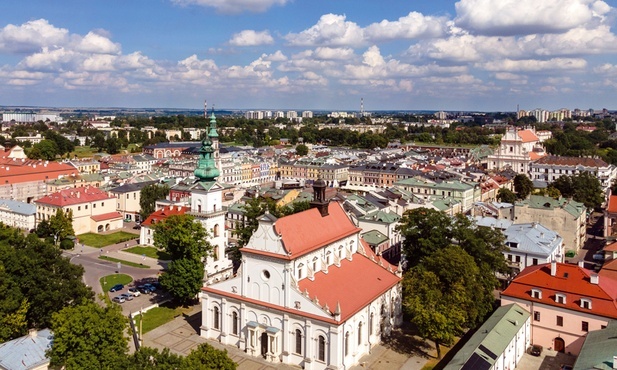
{"points": [[311, 292]]}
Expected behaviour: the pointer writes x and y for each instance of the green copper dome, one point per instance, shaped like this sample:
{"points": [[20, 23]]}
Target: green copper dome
{"points": [[206, 167]]}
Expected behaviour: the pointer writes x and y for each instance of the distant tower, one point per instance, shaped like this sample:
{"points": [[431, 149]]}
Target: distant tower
{"points": [[361, 107], [206, 109]]}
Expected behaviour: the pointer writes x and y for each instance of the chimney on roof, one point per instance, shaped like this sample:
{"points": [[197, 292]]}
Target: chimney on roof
{"points": [[594, 278], [553, 268], [581, 264]]}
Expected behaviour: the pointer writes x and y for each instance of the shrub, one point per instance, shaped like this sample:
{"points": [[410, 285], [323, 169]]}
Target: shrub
{"points": [[66, 244]]}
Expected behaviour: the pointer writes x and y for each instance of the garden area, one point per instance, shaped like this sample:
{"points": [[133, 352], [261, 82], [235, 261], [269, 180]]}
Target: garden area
{"points": [[103, 240], [124, 263], [111, 280], [158, 316], [149, 252]]}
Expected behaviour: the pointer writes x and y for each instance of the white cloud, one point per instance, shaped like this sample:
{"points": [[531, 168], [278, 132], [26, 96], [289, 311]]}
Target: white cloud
{"points": [[31, 36], [96, 44], [414, 25], [326, 53], [532, 65], [278, 56], [330, 30], [234, 6], [524, 17], [251, 38]]}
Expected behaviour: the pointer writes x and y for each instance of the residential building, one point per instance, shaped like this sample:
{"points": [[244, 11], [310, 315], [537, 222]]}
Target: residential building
{"points": [[465, 192], [17, 214], [86, 166], [518, 148], [566, 302], [532, 244], [146, 233], [563, 216], [27, 352], [25, 179], [499, 344], [551, 167], [311, 293], [93, 209], [610, 217], [128, 197]]}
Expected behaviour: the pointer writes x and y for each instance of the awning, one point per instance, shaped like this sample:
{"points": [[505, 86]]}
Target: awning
{"points": [[252, 324]]}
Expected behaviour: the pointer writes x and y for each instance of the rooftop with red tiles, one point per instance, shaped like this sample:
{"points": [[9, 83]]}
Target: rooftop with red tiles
{"points": [[163, 214], [68, 197]]}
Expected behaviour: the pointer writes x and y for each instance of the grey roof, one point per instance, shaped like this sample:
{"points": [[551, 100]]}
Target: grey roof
{"points": [[598, 349], [491, 339], [574, 208], [501, 224], [532, 238], [18, 207], [26, 352]]}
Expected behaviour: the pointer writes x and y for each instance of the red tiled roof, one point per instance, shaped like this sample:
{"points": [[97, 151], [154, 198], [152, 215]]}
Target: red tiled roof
{"points": [[106, 216], [534, 155], [571, 280], [17, 171], [68, 197], [306, 231], [527, 136], [612, 204], [162, 214], [611, 247], [572, 161], [353, 285]]}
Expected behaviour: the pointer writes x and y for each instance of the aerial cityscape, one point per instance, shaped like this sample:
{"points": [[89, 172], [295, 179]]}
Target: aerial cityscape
{"points": [[277, 184]]}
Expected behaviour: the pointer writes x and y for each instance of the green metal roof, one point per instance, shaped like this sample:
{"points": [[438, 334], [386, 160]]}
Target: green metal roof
{"points": [[574, 208], [374, 237], [598, 349], [494, 336]]}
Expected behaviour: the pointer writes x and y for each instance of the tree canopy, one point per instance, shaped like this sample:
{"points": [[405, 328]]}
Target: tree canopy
{"points": [[182, 237], [35, 282], [183, 279], [582, 187], [88, 336], [523, 186], [148, 196], [506, 195]]}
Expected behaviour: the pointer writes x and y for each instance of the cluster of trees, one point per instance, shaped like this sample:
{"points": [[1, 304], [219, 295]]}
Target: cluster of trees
{"points": [[148, 196], [187, 243], [448, 287], [90, 336], [582, 187], [35, 282], [57, 229]]}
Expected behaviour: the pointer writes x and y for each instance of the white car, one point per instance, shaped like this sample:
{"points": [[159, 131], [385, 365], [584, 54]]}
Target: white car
{"points": [[118, 299], [134, 292], [127, 296]]}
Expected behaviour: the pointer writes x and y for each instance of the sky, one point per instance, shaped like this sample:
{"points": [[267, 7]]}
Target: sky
{"points": [[467, 55]]}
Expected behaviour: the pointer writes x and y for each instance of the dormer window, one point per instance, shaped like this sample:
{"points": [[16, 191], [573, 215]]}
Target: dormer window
{"points": [[560, 298], [586, 303], [300, 271], [536, 293]]}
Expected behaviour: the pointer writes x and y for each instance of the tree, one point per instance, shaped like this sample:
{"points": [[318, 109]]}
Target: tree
{"points": [[523, 186], [89, 336], [506, 195], [582, 187], [99, 141], [46, 149], [183, 279], [61, 225], [150, 358], [182, 237], [113, 145], [302, 150], [425, 231], [149, 194], [206, 357]]}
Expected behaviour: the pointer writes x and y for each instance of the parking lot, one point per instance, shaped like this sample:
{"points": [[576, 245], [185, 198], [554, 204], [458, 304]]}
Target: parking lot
{"points": [[141, 301]]}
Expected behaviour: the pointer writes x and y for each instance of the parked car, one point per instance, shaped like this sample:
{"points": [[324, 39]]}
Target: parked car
{"points": [[116, 288], [134, 291], [127, 296], [536, 350], [137, 227], [144, 290], [118, 299], [149, 286], [598, 257]]}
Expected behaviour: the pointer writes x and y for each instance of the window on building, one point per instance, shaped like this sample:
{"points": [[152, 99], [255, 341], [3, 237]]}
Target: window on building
{"points": [[216, 321], [518, 259], [536, 315], [321, 348], [586, 303], [560, 298], [234, 323], [371, 323], [585, 326], [347, 344], [300, 271], [559, 320], [86, 206], [298, 341], [127, 196], [79, 208], [315, 264], [102, 204], [536, 293], [360, 333], [93, 205], [534, 261]]}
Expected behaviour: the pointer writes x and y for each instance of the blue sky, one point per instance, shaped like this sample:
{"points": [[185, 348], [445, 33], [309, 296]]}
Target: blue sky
{"points": [[486, 55]]}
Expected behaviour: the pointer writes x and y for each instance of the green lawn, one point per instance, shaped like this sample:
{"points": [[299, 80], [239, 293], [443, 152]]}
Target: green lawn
{"points": [[111, 280], [150, 252], [100, 240], [125, 263], [158, 316]]}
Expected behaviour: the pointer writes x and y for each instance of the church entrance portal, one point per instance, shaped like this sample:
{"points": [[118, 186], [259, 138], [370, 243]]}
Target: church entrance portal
{"points": [[560, 345]]}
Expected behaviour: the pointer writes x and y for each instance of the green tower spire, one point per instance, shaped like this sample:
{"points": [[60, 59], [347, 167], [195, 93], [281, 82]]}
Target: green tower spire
{"points": [[206, 167], [212, 133]]}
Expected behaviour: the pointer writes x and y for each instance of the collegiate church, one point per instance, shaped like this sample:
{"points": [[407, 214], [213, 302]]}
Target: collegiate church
{"points": [[310, 293]]}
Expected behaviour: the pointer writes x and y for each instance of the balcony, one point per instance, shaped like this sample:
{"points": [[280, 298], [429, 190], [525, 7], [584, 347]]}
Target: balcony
{"points": [[210, 214]]}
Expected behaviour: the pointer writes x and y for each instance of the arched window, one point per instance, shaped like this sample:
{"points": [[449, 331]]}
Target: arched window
{"points": [[371, 322], [347, 344], [217, 324], [298, 341], [360, 333], [215, 230], [321, 348], [300, 272], [340, 252], [315, 264], [234, 323], [328, 258]]}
